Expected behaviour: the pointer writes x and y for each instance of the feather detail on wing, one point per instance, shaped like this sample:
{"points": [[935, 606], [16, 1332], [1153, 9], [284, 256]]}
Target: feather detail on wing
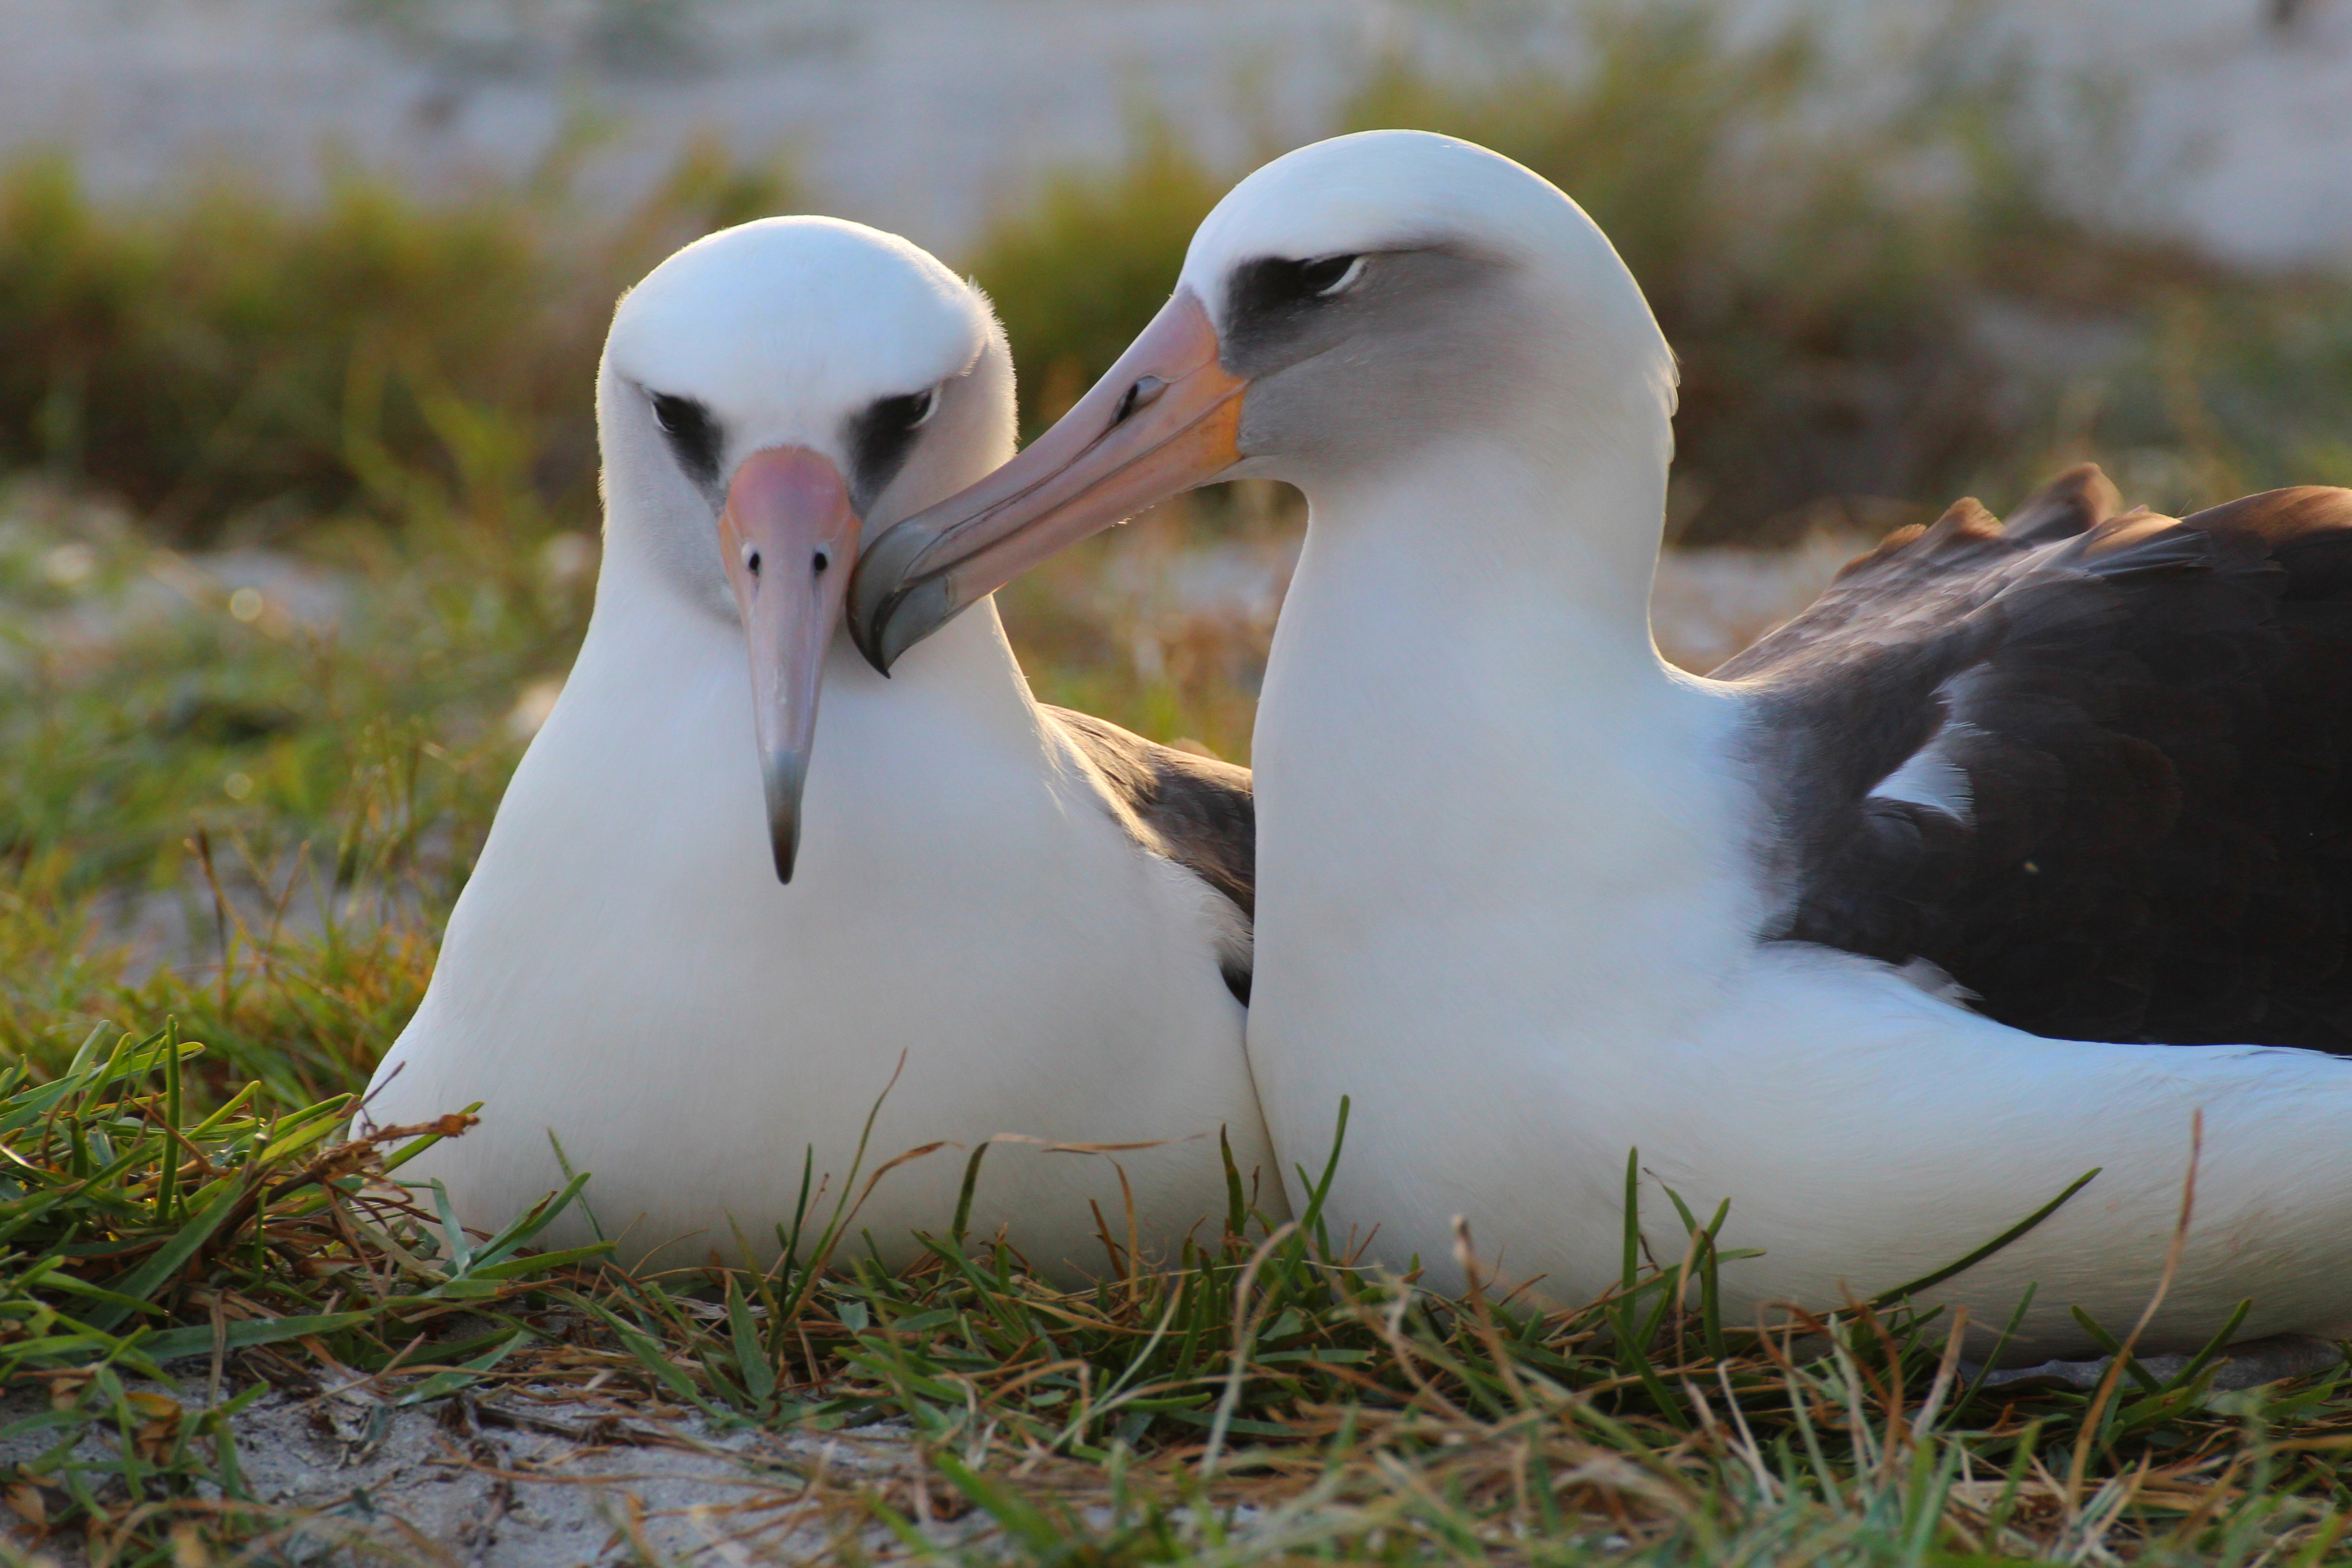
{"points": [[1195, 811], [2092, 764]]}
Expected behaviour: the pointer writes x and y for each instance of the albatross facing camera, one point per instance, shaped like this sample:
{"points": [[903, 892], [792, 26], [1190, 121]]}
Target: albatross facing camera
{"points": [[1533, 898], [714, 913]]}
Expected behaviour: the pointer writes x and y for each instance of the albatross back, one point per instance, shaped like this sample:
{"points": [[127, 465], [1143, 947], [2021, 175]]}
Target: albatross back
{"points": [[2092, 763]]}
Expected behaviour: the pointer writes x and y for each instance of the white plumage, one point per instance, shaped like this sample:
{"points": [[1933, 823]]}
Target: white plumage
{"points": [[1563, 963], [1525, 890], [625, 972]]}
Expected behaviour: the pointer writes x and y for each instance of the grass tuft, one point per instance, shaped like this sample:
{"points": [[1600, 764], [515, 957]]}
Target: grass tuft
{"points": [[145, 1250]]}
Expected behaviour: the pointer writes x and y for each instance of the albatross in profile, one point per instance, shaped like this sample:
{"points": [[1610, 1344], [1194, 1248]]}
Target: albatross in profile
{"points": [[711, 918], [2026, 851]]}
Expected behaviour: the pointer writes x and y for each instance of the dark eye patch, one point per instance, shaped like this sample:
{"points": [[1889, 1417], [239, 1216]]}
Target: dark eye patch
{"points": [[1274, 286], [694, 435], [1274, 304], [881, 436]]}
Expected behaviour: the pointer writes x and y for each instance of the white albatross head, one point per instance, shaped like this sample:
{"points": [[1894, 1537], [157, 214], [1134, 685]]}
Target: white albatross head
{"points": [[1351, 307], [770, 397]]}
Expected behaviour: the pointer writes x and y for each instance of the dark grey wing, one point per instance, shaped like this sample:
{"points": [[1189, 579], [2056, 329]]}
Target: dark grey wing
{"points": [[2096, 766], [1195, 811]]}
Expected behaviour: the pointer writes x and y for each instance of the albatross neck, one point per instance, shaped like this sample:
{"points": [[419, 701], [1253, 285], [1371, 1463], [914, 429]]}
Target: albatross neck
{"points": [[1464, 693], [1490, 590], [1565, 536]]}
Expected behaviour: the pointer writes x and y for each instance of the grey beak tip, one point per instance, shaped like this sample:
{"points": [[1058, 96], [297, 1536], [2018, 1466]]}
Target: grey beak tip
{"points": [[786, 773], [864, 631], [910, 614], [884, 621], [895, 635]]}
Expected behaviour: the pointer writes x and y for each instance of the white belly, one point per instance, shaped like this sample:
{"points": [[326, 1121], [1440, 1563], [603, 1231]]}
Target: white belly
{"points": [[1864, 1133], [625, 976]]}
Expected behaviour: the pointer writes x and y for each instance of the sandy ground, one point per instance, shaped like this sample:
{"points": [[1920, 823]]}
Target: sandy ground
{"points": [[516, 1482], [924, 115], [522, 1481]]}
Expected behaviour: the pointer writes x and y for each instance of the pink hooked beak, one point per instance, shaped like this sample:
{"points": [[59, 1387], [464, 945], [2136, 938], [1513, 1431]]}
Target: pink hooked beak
{"points": [[789, 537]]}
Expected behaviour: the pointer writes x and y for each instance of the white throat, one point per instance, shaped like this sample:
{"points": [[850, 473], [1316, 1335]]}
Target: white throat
{"points": [[1487, 808], [1463, 681]]}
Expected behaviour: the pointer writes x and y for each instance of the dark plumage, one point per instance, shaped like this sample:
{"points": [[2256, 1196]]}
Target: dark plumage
{"points": [[1195, 811], [879, 438], [693, 435], [2139, 727]]}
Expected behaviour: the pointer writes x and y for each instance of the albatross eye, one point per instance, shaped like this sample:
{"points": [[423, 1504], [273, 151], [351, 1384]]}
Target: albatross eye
{"points": [[1278, 287], [1328, 275], [693, 435], [909, 412]]}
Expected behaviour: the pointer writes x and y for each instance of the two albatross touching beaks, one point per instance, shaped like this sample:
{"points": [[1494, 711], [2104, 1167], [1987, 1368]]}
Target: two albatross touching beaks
{"points": [[1531, 897], [713, 921]]}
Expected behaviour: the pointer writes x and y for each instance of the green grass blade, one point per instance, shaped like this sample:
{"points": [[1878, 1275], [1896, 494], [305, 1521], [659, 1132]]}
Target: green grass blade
{"points": [[2022, 1227], [143, 1282], [171, 1344]]}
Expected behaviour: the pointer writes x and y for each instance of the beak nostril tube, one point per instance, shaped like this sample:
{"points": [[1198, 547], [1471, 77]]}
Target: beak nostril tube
{"points": [[1142, 395], [820, 562], [751, 561]]}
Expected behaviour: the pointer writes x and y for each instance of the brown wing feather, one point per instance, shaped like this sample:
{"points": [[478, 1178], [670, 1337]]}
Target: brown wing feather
{"points": [[1195, 811], [2145, 725]]}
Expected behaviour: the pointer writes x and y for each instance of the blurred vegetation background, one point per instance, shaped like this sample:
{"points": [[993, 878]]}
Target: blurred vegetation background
{"points": [[299, 537], [1900, 317]]}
